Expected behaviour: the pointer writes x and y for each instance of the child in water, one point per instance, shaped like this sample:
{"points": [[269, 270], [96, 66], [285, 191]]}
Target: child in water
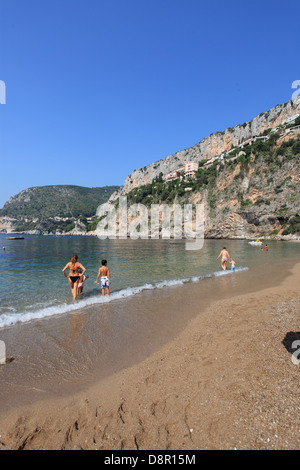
{"points": [[105, 277], [232, 262], [82, 278]]}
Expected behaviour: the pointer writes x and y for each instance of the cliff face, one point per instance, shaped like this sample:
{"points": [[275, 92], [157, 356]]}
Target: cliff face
{"points": [[214, 144], [261, 199], [252, 192]]}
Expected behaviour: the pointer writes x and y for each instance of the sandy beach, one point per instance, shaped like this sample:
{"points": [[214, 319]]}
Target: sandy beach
{"points": [[227, 381]]}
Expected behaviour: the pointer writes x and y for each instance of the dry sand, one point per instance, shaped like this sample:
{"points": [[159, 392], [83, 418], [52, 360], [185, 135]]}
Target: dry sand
{"points": [[226, 382]]}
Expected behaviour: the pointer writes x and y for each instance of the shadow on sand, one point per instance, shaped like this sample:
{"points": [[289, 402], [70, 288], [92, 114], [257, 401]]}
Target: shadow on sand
{"points": [[291, 342]]}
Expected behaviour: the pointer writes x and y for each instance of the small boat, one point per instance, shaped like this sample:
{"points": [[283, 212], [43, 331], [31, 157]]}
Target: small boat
{"points": [[15, 238], [255, 243]]}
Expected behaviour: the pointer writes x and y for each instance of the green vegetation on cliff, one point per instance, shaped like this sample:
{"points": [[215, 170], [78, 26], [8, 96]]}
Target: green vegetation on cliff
{"points": [[57, 201], [51, 209], [259, 182]]}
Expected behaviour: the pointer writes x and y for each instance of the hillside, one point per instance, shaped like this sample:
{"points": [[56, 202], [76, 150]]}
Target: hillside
{"points": [[48, 209], [249, 193], [214, 144], [247, 177]]}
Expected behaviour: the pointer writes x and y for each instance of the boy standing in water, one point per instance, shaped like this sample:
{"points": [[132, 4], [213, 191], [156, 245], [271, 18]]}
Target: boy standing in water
{"points": [[105, 277]]}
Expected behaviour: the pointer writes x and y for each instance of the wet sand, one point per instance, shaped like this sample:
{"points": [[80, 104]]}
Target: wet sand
{"points": [[220, 376]]}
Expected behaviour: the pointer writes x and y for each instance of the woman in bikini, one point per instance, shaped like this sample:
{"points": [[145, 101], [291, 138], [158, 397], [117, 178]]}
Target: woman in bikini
{"points": [[225, 257], [74, 275]]}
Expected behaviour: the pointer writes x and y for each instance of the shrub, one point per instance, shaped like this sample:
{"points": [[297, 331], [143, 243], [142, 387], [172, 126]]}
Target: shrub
{"points": [[294, 226], [261, 201], [297, 121], [246, 203]]}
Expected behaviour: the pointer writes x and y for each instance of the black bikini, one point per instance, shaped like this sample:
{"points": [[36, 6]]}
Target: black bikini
{"points": [[74, 278]]}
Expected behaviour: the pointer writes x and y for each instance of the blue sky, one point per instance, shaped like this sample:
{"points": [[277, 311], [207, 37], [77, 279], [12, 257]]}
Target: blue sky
{"points": [[96, 89]]}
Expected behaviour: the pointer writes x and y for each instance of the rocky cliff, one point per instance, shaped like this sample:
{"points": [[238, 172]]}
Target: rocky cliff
{"points": [[256, 195], [249, 193], [213, 145]]}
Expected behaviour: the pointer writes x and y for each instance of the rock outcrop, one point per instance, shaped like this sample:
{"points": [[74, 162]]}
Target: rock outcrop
{"points": [[214, 144], [259, 197], [250, 193]]}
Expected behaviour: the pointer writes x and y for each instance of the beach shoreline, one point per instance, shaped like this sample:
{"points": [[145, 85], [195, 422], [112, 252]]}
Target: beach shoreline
{"points": [[226, 381], [264, 238]]}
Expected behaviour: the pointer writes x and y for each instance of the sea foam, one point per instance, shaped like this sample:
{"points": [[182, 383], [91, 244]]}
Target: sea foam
{"points": [[10, 319]]}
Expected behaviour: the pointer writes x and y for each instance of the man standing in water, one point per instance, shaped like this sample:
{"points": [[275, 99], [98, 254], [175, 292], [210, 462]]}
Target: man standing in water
{"points": [[105, 277], [225, 257]]}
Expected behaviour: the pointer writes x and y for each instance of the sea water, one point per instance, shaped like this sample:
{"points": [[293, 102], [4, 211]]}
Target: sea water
{"points": [[32, 285], [56, 345]]}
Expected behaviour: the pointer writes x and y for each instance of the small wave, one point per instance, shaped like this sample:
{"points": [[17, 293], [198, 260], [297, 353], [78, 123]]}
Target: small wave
{"points": [[10, 319]]}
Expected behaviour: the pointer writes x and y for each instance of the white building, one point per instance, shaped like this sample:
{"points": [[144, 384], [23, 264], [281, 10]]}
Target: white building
{"points": [[191, 169], [173, 175], [209, 162]]}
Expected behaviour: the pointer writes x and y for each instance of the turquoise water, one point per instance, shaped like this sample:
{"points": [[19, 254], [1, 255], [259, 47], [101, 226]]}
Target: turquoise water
{"points": [[33, 286]]}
